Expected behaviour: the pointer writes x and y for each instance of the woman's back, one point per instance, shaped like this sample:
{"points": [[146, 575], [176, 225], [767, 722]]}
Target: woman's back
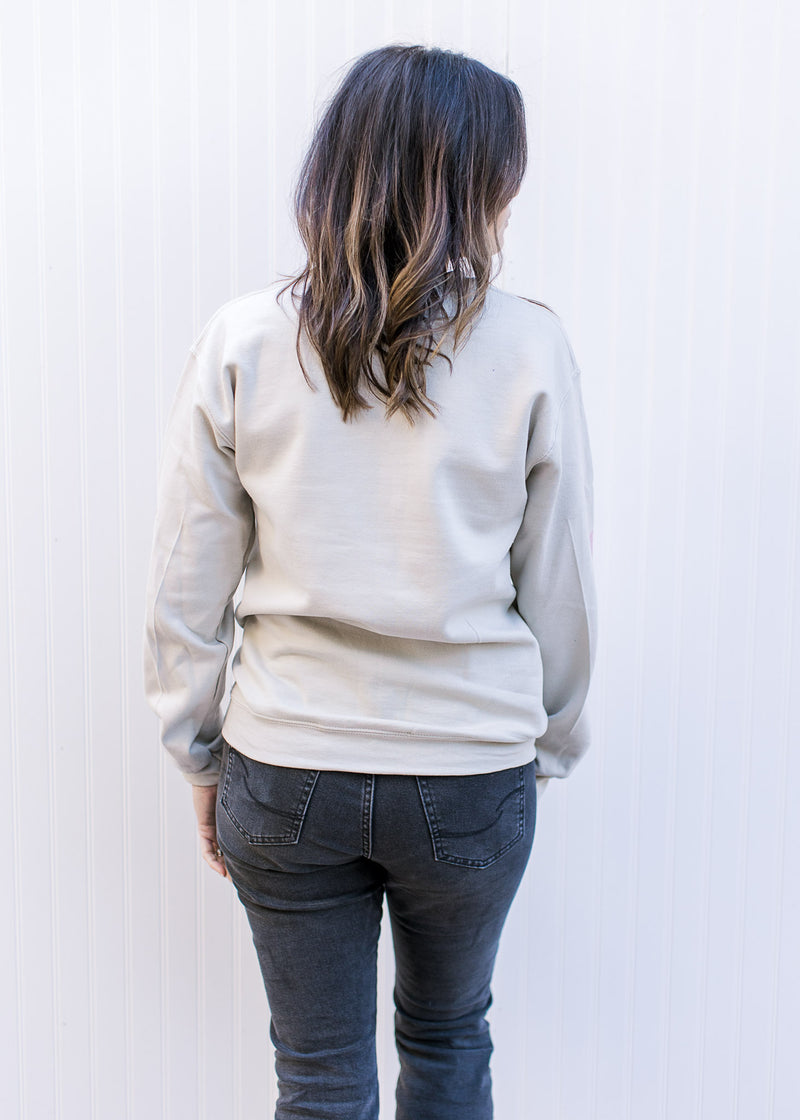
{"points": [[380, 615], [394, 452]]}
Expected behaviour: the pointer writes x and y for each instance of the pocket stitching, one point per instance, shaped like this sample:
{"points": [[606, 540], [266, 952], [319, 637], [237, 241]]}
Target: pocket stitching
{"points": [[441, 856], [293, 834]]}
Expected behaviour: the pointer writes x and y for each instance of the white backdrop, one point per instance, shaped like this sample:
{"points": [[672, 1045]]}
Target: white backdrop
{"points": [[649, 969]]}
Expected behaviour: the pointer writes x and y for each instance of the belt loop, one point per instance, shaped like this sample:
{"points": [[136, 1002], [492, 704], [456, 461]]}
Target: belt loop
{"points": [[366, 815]]}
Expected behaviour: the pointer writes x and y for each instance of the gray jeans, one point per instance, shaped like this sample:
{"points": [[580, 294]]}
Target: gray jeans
{"points": [[312, 855]]}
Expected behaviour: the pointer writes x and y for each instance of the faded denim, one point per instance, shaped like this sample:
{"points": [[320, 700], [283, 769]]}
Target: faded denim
{"points": [[311, 855]]}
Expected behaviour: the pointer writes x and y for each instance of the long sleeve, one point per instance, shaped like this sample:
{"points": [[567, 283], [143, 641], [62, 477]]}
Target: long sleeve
{"points": [[203, 533], [551, 567]]}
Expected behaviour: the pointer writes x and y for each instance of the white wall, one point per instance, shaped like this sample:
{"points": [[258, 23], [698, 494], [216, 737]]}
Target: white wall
{"points": [[649, 968]]}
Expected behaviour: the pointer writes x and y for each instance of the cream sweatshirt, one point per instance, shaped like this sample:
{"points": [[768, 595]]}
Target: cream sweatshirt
{"points": [[416, 600]]}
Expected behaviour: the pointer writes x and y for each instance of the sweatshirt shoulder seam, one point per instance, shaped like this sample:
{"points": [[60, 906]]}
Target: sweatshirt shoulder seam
{"points": [[206, 406], [573, 381], [526, 299]]}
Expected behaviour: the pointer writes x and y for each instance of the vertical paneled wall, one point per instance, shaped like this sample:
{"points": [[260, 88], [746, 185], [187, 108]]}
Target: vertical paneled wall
{"points": [[147, 154]]}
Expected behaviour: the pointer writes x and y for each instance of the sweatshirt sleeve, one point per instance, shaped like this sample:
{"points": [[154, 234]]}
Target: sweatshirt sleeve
{"points": [[204, 530], [551, 567]]}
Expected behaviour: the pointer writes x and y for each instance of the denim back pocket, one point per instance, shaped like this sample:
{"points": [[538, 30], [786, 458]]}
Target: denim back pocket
{"points": [[266, 803], [474, 819]]}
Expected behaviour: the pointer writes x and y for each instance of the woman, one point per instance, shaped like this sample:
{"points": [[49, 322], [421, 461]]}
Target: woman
{"points": [[394, 451]]}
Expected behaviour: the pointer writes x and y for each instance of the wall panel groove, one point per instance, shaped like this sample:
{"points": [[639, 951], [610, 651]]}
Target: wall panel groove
{"points": [[147, 160]]}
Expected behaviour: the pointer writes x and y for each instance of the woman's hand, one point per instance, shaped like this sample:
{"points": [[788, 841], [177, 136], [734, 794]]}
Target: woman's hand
{"points": [[205, 807]]}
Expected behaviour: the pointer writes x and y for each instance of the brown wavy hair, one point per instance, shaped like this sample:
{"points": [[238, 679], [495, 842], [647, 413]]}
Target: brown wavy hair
{"points": [[415, 156]]}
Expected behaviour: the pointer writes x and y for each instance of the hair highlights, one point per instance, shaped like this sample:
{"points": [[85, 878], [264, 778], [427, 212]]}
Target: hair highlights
{"points": [[415, 156]]}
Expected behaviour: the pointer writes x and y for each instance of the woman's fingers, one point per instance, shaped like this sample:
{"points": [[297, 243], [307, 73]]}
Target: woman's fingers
{"points": [[215, 860], [210, 851], [204, 799]]}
